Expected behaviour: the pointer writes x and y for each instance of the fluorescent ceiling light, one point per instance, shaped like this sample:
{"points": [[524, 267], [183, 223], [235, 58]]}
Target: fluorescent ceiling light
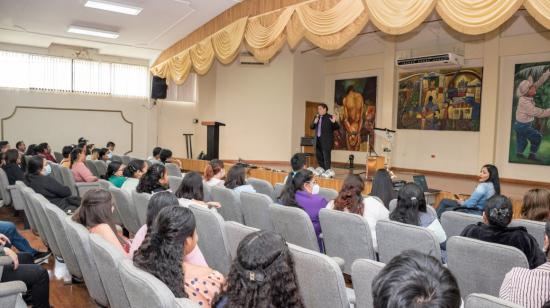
{"points": [[92, 32], [113, 7]]}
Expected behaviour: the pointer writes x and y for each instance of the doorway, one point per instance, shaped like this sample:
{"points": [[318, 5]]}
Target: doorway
{"points": [[311, 111]]}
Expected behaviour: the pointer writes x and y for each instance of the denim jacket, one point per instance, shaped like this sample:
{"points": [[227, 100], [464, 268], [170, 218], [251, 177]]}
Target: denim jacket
{"points": [[480, 195]]}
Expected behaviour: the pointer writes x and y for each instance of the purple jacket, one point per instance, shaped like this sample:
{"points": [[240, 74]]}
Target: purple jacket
{"points": [[312, 204]]}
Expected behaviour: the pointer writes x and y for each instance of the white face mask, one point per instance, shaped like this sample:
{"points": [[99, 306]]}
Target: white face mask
{"points": [[315, 189], [47, 170], [110, 155]]}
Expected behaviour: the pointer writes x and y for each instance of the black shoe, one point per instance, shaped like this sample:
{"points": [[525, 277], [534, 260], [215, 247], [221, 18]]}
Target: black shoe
{"points": [[76, 280], [533, 157], [520, 155], [41, 257]]}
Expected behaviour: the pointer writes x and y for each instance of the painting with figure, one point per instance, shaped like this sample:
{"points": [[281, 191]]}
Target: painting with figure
{"points": [[440, 100], [530, 133], [355, 110]]}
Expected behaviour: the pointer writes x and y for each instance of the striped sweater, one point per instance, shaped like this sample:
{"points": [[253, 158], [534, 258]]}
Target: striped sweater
{"points": [[528, 288]]}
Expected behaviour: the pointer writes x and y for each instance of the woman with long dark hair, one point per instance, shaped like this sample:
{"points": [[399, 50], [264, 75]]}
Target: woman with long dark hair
{"points": [[382, 187], [350, 199], [236, 180], [172, 236], [81, 173], [115, 172], [13, 168], [262, 275], [133, 172], [190, 191], [488, 186], [214, 173], [154, 180]]}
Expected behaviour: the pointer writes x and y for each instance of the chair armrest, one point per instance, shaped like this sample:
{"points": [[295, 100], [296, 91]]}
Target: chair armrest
{"points": [[5, 260], [340, 262], [12, 288]]}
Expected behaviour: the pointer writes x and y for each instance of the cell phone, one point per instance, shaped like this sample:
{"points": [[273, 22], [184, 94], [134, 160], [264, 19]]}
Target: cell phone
{"points": [[458, 197]]}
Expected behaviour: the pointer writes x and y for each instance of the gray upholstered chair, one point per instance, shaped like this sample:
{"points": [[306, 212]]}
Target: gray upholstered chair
{"points": [[454, 222], [37, 201], [79, 238], [328, 193], [277, 190], [104, 184], [207, 193], [141, 201], [20, 186], [347, 236], [56, 172], [363, 273], [320, 279], [56, 218], [4, 184], [145, 290], [480, 266], [90, 164], [235, 233], [535, 228], [213, 240], [58, 156], [116, 158], [262, 187], [394, 237], [174, 182], [125, 159], [10, 292], [255, 207], [101, 167], [294, 225], [173, 169], [230, 201], [77, 189], [27, 192], [477, 300], [9, 193], [107, 259], [126, 209]]}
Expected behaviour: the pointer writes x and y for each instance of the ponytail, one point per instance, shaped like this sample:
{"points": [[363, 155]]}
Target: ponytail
{"points": [[212, 168], [288, 196], [74, 155]]}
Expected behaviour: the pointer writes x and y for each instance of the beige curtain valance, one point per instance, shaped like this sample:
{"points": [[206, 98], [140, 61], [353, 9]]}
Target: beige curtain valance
{"points": [[331, 24]]}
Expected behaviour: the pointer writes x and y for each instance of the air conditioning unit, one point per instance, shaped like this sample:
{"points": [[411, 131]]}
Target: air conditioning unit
{"points": [[445, 60], [246, 58]]}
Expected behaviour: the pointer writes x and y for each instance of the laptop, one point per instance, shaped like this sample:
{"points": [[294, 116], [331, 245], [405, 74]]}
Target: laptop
{"points": [[420, 180]]}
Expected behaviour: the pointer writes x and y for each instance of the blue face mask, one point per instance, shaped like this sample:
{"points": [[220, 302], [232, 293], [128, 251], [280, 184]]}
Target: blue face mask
{"points": [[110, 155], [47, 170]]}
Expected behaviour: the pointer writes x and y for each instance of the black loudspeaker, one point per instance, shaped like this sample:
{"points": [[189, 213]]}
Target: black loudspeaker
{"points": [[159, 87]]}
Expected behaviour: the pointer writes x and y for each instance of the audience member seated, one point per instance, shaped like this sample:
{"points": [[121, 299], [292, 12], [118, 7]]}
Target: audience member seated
{"points": [[494, 228], [92, 154], [44, 150], [297, 162], [13, 168], [155, 158], [214, 173], [382, 187], [191, 191], [81, 173], [133, 173], [66, 152], [111, 147], [154, 180], [103, 154], [412, 209], [157, 203], [536, 205], [4, 146], [34, 276], [21, 147], [302, 193], [165, 156], [114, 173], [96, 214], [10, 237], [31, 150], [413, 279], [262, 275], [58, 194], [489, 185], [529, 288], [350, 199], [236, 180], [172, 236]]}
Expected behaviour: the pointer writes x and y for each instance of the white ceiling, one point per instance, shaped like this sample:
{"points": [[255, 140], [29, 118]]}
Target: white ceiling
{"points": [[160, 24]]}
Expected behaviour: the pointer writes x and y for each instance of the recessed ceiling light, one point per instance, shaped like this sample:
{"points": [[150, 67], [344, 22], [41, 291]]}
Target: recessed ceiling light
{"points": [[93, 32], [113, 7]]}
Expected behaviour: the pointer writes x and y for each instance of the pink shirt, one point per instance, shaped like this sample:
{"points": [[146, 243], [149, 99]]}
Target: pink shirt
{"points": [[194, 257], [81, 173]]}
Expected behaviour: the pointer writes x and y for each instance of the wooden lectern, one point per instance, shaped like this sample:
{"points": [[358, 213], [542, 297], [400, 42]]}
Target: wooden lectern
{"points": [[212, 139], [373, 164]]}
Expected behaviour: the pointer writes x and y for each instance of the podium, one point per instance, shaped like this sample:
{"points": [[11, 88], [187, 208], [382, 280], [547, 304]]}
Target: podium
{"points": [[212, 139], [373, 164]]}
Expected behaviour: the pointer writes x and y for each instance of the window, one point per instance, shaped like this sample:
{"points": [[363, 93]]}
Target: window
{"points": [[47, 73]]}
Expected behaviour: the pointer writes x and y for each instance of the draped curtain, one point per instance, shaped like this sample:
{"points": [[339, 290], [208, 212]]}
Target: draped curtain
{"points": [[331, 24]]}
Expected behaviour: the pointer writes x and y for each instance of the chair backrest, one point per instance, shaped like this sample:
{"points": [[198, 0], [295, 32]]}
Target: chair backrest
{"points": [[262, 187], [141, 201], [213, 240], [328, 193], [235, 233], [100, 166], [145, 290], [173, 169], [277, 190], [478, 300], [363, 273], [230, 201], [68, 180], [90, 164], [174, 182], [125, 159], [38, 201], [80, 242], [535, 228], [4, 187], [27, 192], [454, 222], [20, 186], [255, 208], [347, 236], [320, 279], [207, 193], [58, 156], [394, 237], [126, 209], [107, 259], [104, 184], [116, 158], [56, 217], [56, 172], [480, 266], [294, 225]]}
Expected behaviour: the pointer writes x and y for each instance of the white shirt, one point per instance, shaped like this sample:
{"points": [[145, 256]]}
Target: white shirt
{"points": [[130, 185], [247, 188], [214, 182]]}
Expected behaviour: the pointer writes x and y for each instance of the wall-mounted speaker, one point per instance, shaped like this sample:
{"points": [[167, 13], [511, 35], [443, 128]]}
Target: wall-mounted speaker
{"points": [[158, 88]]}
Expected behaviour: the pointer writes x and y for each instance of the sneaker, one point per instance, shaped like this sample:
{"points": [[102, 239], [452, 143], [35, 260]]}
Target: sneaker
{"points": [[41, 257]]}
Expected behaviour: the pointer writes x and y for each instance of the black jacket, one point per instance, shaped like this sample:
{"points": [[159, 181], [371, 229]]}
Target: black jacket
{"points": [[511, 236], [327, 129], [49, 188], [14, 173]]}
